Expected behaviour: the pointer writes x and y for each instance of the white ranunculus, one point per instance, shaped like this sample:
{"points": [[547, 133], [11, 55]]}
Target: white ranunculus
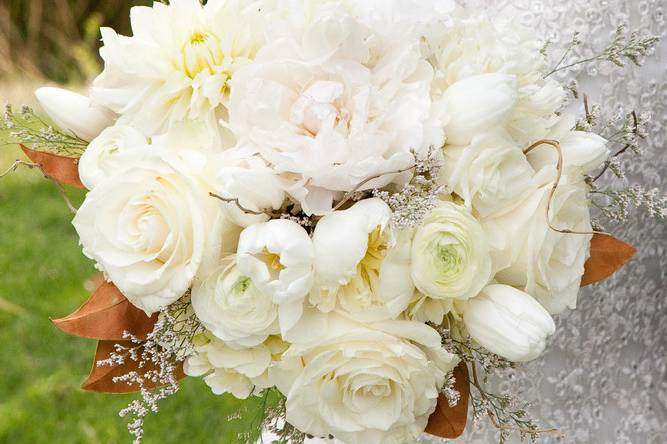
{"points": [[178, 63], [484, 44], [278, 257], [365, 384], [477, 104], [489, 174], [232, 308], [330, 111], [361, 269], [104, 156], [530, 255], [74, 113], [450, 255], [238, 371], [150, 227], [254, 184], [508, 322]]}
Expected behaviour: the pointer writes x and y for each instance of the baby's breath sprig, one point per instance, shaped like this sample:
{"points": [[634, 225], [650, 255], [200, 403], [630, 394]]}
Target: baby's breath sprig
{"points": [[170, 342], [624, 46], [29, 129], [276, 424]]}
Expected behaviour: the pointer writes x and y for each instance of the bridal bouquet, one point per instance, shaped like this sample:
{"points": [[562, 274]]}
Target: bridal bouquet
{"points": [[354, 210]]}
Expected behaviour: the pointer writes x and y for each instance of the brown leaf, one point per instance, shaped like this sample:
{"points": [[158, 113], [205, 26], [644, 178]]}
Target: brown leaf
{"points": [[60, 168], [106, 316], [100, 379], [450, 422], [608, 255]]}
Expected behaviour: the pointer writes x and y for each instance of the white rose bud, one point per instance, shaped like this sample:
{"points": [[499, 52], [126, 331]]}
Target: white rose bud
{"points": [[477, 104], [74, 113], [509, 323], [104, 156], [450, 255]]}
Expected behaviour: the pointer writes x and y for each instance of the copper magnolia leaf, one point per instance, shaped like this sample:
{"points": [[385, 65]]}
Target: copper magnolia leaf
{"points": [[450, 422], [608, 255], [101, 378], [106, 316], [60, 168]]}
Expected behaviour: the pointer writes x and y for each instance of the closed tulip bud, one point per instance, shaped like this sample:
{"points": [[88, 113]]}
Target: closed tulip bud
{"points": [[477, 104], [74, 113], [509, 323]]}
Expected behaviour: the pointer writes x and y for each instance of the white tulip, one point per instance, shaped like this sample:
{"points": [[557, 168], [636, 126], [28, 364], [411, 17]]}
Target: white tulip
{"points": [[477, 104], [74, 113], [278, 257], [104, 156], [508, 322]]}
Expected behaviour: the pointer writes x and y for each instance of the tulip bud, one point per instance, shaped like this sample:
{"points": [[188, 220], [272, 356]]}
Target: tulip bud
{"points": [[74, 113], [477, 104], [508, 322]]}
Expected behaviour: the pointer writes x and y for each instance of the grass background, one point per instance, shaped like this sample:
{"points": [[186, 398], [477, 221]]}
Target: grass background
{"points": [[42, 271]]}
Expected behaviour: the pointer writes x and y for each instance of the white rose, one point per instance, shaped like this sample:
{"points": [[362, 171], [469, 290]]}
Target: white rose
{"points": [[477, 104], [327, 113], [151, 226], [508, 322], [178, 63], [365, 384], [361, 268], [74, 113], [425, 309], [450, 255], [104, 156], [530, 255], [232, 308], [238, 371], [489, 174], [278, 257]]}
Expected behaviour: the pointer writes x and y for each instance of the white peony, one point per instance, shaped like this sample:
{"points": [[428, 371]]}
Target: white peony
{"points": [[104, 157], [365, 384], [450, 254], [232, 308], [528, 254], [150, 227], [329, 112], [361, 268], [278, 257], [508, 322], [489, 174], [238, 371], [178, 63]]}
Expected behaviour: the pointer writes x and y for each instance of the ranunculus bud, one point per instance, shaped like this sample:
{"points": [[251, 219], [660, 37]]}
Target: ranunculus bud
{"points": [[74, 113], [508, 322], [477, 104]]}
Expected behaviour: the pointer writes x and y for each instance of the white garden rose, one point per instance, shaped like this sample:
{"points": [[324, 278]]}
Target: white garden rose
{"points": [[329, 112], [482, 44], [528, 254], [178, 63], [151, 226], [489, 174], [509, 323], [235, 370], [450, 254], [232, 308], [278, 257], [361, 268], [104, 157], [374, 384]]}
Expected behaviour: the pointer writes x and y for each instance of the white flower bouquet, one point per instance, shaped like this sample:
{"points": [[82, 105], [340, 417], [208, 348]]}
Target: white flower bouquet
{"points": [[349, 208]]}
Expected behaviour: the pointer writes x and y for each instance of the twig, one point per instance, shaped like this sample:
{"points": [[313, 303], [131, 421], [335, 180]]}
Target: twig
{"points": [[235, 200], [552, 192], [16, 165], [349, 194], [63, 193]]}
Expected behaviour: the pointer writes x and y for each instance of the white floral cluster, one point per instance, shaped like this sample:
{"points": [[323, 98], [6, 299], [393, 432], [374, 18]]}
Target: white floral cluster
{"points": [[281, 110]]}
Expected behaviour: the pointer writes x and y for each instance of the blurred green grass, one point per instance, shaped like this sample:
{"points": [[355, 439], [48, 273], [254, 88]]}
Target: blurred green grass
{"points": [[42, 276]]}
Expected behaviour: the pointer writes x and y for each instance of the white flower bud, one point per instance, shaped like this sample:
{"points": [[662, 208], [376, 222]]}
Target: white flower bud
{"points": [[74, 113], [509, 323]]}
